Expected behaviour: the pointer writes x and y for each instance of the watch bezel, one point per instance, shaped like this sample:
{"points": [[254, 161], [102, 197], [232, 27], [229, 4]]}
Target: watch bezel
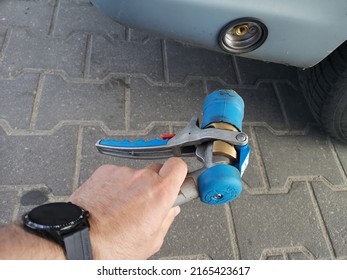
{"points": [[58, 231]]}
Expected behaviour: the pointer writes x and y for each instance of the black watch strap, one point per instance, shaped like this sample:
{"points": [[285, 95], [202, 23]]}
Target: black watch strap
{"points": [[77, 245]]}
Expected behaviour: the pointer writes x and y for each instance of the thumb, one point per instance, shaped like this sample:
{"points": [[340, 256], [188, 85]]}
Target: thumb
{"points": [[173, 173], [174, 170]]}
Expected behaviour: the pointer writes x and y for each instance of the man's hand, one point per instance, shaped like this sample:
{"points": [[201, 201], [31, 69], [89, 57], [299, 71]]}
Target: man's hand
{"points": [[131, 210]]}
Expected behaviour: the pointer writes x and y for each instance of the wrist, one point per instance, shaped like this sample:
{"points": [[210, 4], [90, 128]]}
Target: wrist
{"points": [[47, 249], [17, 243]]}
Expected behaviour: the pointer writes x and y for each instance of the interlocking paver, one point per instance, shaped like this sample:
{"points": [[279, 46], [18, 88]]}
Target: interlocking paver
{"points": [[333, 207], [341, 152], [183, 62], [29, 14], [121, 56], [16, 100], [62, 100], [276, 223], [7, 199], [39, 159], [208, 234], [28, 50], [3, 34], [296, 157], [168, 103], [81, 16], [250, 71]]}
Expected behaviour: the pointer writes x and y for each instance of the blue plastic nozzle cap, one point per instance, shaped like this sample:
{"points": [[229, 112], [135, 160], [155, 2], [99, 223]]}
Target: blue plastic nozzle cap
{"points": [[219, 184], [223, 106]]}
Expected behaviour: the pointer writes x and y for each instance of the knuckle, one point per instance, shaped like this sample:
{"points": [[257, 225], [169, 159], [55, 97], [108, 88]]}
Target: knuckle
{"points": [[147, 176], [106, 168]]}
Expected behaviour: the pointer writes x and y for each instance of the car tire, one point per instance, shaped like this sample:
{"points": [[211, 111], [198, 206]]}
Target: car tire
{"points": [[325, 89]]}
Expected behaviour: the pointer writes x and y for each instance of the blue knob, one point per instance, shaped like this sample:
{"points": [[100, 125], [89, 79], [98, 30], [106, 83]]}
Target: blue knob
{"points": [[219, 184]]}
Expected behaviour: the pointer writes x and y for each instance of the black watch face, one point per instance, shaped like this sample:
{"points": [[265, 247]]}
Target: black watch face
{"points": [[55, 214]]}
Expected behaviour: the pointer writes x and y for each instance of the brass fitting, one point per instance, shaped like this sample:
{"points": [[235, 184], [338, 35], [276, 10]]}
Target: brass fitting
{"points": [[221, 148], [241, 30]]}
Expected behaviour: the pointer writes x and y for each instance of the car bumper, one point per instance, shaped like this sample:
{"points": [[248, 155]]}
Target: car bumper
{"points": [[300, 33]]}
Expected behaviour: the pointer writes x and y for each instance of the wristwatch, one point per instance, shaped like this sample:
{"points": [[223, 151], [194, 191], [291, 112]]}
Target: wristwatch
{"points": [[65, 223]]}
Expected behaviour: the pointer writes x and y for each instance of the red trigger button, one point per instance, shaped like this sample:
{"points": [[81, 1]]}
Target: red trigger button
{"points": [[167, 136]]}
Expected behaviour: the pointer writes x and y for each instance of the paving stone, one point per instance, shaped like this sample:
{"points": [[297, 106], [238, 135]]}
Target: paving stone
{"points": [[164, 103], [33, 14], [39, 51], [287, 253], [3, 32], [250, 71], [297, 256], [265, 222], [341, 151], [333, 207], [118, 56], [62, 100], [261, 103], [297, 156], [198, 230], [16, 100], [51, 160], [7, 197], [82, 16], [186, 61]]}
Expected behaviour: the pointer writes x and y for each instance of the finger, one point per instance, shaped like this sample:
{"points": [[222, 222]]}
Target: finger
{"points": [[155, 167], [169, 220], [173, 173], [175, 170]]}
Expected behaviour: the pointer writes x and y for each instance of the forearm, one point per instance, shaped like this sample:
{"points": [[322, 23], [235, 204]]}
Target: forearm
{"points": [[16, 243]]}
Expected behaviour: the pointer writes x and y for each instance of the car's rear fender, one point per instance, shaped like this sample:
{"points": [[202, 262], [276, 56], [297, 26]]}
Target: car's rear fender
{"points": [[300, 33]]}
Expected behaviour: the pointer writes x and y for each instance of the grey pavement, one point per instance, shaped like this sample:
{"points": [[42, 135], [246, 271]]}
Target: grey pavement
{"points": [[70, 76]]}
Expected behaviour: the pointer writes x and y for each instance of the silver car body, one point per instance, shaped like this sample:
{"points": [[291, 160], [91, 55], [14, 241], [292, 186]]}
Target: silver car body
{"points": [[300, 32]]}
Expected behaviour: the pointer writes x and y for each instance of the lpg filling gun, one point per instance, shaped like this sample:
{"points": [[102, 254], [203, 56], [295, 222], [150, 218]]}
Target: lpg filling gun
{"points": [[219, 144]]}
